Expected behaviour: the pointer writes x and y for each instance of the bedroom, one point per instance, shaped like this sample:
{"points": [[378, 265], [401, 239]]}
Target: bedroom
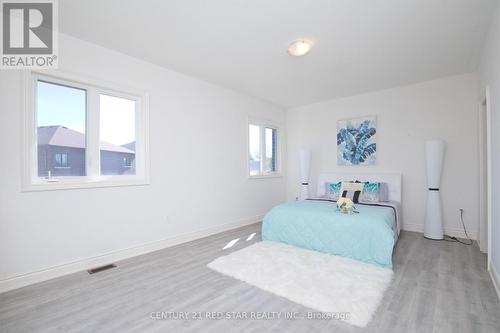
{"points": [[109, 219]]}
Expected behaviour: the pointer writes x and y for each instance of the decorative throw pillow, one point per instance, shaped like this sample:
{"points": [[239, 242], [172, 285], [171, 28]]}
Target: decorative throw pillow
{"points": [[332, 190], [375, 192], [352, 190], [371, 192]]}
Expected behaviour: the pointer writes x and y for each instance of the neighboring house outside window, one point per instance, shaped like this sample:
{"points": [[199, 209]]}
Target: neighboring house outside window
{"points": [[112, 162], [64, 148]]}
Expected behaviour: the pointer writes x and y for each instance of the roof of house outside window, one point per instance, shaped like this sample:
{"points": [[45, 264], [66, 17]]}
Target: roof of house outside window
{"points": [[65, 137]]}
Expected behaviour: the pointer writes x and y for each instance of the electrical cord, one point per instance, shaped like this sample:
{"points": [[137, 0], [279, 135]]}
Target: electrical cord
{"points": [[455, 239]]}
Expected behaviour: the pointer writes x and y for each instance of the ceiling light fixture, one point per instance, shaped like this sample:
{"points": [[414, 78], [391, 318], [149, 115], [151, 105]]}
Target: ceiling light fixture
{"points": [[299, 47]]}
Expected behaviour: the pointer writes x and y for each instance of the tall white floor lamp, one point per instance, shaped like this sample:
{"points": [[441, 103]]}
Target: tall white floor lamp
{"points": [[305, 163], [434, 151]]}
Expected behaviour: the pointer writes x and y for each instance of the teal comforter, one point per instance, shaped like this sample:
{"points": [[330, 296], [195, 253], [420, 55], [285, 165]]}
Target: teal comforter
{"points": [[316, 225]]}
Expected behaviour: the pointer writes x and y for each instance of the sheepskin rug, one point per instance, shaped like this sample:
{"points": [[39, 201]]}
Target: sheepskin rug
{"points": [[319, 281]]}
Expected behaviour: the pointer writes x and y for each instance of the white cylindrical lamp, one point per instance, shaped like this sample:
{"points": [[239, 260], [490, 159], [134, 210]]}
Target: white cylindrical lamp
{"points": [[434, 151], [304, 164]]}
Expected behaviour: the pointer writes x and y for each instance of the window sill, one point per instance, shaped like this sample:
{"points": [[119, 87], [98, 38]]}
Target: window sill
{"points": [[79, 184], [274, 175]]}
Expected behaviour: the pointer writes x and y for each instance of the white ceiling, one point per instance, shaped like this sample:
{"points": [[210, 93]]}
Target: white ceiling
{"points": [[361, 45]]}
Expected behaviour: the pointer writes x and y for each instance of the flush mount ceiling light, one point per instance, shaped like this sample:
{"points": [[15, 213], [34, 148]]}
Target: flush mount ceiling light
{"points": [[299, 47]]}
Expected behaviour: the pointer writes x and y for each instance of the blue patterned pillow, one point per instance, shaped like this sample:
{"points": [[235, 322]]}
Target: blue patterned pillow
{"points": [[371, 192], [375, 192], [332, 190]]}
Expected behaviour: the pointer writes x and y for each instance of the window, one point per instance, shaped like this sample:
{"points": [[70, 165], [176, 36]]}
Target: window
{"points": [[127, 162], [117, 132], [61, 124], [263, 150], [61, 160], [86, 135]]}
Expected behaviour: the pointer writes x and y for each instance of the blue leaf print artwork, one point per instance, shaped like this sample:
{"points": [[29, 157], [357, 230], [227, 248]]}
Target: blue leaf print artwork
{"points": [[356, 141]]}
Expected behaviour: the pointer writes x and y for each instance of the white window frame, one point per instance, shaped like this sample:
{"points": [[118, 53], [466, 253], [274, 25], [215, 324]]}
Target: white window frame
{"points": [[93, 179], [263, 124]]}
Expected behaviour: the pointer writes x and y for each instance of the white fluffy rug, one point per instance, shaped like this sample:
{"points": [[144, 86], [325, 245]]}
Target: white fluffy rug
{"points": [[316, 280]]}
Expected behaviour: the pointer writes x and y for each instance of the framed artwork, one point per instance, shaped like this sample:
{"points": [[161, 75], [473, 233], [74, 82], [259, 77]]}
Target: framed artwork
{"points": [[356, 141]]}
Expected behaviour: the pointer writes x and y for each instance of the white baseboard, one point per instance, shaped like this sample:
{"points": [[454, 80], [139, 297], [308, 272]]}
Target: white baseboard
{"points": [[23, 280], [495, 278], [454, 232]]}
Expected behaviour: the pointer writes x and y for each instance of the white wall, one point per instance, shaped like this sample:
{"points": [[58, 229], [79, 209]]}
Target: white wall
{"points": [[490, 75], [407, 117], [198, 172]]}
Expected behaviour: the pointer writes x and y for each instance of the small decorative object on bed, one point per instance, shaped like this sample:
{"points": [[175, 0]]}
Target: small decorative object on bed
{"points": [[356, 141], [345, 206]]}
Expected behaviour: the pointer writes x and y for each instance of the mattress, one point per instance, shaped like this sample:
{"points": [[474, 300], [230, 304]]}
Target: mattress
{"points": [[367, 236]]}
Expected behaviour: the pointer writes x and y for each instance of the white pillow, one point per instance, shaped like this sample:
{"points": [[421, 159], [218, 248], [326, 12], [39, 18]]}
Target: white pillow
{"points": [[352, 186], [352, 190]]}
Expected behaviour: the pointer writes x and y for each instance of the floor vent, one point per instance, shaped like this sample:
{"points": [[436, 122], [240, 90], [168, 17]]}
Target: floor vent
{"points": [[100, 269]]}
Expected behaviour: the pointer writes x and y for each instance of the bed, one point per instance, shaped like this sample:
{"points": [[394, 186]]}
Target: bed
{"points": [[315, 224]]}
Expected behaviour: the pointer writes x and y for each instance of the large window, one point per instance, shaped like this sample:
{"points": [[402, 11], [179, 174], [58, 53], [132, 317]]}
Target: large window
{"points": [[263, 150], [83, 135]]}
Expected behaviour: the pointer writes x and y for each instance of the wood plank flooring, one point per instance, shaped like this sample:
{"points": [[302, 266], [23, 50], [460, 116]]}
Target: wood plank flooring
{"points": [[438, 287]]}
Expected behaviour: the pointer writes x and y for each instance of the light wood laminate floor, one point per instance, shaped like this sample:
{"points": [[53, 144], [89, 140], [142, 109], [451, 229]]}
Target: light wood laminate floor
{"points": [[438, 287]]}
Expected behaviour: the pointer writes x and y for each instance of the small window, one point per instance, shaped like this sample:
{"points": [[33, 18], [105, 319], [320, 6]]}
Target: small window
{"points": [[61, 160], [86, 135], [263, 150], [127, 162]]}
